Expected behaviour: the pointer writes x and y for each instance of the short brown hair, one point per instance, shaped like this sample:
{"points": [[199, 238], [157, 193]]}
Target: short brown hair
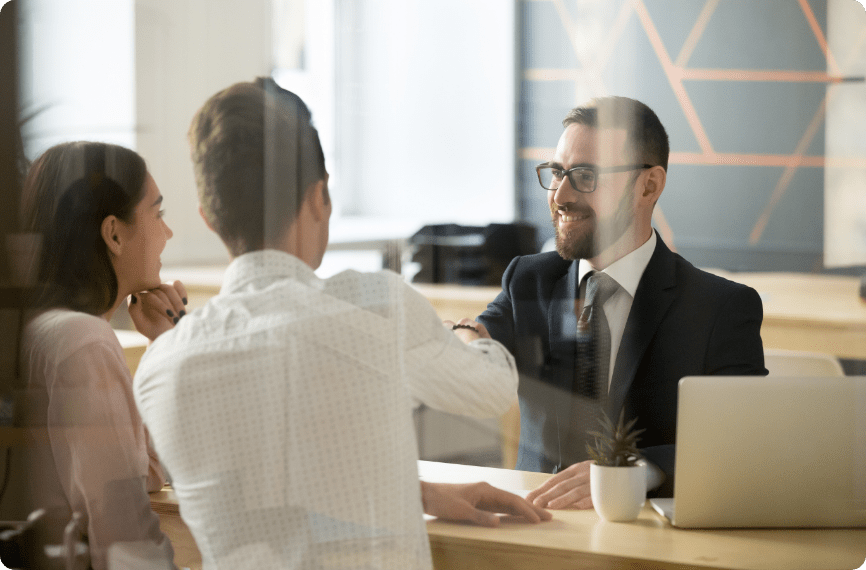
{"points": [[255, 154], [68, 192], [646, 134]]}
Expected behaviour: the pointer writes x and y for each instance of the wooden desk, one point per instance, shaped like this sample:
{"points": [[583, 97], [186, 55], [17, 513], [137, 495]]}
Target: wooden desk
{"points": [[134, 344], [186, 554], [579, 539], [819, 313]]}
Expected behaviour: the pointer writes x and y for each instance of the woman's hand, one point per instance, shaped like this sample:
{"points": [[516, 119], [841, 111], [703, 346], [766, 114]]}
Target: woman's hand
{"points": [[156, 310]]}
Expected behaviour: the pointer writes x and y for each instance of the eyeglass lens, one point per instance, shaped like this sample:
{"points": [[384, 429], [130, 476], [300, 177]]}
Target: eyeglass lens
{"points": [[583, 179]]}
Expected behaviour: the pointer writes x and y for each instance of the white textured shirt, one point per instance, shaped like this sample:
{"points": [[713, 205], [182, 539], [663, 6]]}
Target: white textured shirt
{"points": [[282, 410], [627, 272]]}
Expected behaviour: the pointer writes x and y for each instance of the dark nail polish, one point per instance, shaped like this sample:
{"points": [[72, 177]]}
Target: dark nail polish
{"points": [[134, 299], [169, 312], [176, 319], [182, 313], [184, 300]]}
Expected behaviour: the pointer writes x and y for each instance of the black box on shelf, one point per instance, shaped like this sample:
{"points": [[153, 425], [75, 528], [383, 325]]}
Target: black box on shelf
{"points": [[469, 255]]}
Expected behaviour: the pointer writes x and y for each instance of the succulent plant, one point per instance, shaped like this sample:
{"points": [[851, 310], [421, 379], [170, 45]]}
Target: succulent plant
{"points": [[615, 445]]}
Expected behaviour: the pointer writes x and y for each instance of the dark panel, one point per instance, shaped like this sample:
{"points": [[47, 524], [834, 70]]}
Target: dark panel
{"points": [[674, 20], [716, 205], [756, 117], [792, 222], [769, 34], [635, 71]]}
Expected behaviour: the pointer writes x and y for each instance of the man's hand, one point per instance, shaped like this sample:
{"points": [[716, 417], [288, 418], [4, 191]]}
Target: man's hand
{"points": [[476, 502], [568, 488], [155, 311], [465, 334]]}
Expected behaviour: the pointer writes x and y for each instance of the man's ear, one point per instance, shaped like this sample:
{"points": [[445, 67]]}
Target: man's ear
{"points": [[206, 221], [654, 183], [110, 230], [319, 204]]}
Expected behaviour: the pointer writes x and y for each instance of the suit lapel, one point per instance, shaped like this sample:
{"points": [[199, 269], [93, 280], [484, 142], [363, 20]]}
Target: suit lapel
{"points": [[655, 293], [562, 323], [561, 367]]}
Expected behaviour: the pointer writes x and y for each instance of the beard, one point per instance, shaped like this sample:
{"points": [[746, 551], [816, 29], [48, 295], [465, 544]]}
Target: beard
{"points": [[597, 234]]}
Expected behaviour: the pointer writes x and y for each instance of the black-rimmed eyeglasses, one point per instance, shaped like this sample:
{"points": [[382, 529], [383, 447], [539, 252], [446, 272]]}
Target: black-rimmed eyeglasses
{"points": [[581, 178]]}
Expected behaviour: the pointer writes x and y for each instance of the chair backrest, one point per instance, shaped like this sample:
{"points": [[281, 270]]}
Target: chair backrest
{"points": [[801, 363]]}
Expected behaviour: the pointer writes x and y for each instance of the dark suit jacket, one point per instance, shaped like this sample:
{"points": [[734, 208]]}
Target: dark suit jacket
{"points": [[683, 322]]}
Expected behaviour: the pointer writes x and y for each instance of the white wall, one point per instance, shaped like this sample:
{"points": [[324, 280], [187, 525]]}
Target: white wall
{"points": [[845, 172], [78, 66], [187, 50], [422, 98], [426, 109]]}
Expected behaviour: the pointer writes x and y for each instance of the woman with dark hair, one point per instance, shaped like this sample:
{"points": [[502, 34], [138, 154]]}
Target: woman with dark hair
{"points": [[98, 212]]}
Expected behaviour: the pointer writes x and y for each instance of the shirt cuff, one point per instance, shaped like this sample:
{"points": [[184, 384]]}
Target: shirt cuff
{"points": [[654, 475]]}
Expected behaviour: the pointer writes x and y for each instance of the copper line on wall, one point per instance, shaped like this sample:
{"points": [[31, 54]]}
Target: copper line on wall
{"points": [[760, 75], [817, 120], [697, 74], [742, 159], [543, 154], [674, 79], [819, 35], [788, 174], [696, 33], [593, 73]]}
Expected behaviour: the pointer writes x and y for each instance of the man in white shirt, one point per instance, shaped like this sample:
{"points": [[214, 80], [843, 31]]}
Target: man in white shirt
{"points": [[663, 318], [282, 409]]}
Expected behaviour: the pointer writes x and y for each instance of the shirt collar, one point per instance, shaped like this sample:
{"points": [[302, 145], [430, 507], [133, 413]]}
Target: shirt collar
{"points": [[628, 270], [264, 264]]}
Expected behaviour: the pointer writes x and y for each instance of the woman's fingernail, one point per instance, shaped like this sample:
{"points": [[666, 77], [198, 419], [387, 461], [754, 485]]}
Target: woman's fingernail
{"points": [[176, 319], [169, 312], [134, 300], [182, 313], [184, 300]]}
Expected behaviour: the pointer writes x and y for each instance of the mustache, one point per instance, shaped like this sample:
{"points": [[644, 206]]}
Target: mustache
{"points": [[573, 209]]}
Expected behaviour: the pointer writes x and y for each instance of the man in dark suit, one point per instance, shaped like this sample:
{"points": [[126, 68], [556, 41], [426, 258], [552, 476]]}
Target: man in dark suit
{"points": [[663, 318]]}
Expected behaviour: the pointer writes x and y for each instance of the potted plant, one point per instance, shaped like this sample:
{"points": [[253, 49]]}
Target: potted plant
{"points": [[617, 481]]}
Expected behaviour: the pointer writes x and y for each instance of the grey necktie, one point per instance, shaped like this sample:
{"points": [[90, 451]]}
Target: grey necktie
{"points": [[591, 370], [593, 337]]}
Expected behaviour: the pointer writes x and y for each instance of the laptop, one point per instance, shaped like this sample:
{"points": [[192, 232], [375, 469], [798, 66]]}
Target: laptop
{"points": [[769, 452]]}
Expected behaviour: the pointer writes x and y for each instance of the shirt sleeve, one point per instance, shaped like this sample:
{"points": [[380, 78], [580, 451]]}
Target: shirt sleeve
{"points": [[478, 379], [100, 449], [156, 478]]}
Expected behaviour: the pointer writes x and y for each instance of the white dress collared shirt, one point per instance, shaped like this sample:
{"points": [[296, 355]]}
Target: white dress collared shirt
{"points": [[627, 272], [282, 410]]}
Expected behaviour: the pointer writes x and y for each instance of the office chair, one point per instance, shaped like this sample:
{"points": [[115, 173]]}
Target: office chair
{"points": [[801, 363]]}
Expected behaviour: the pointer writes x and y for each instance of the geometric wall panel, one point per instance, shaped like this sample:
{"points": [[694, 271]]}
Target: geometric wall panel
{"points": [[761, 39], [741, 86], [756, 117]]}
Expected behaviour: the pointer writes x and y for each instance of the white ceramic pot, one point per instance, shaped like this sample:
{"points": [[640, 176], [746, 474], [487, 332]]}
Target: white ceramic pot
{"points": [[618, 493]]}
